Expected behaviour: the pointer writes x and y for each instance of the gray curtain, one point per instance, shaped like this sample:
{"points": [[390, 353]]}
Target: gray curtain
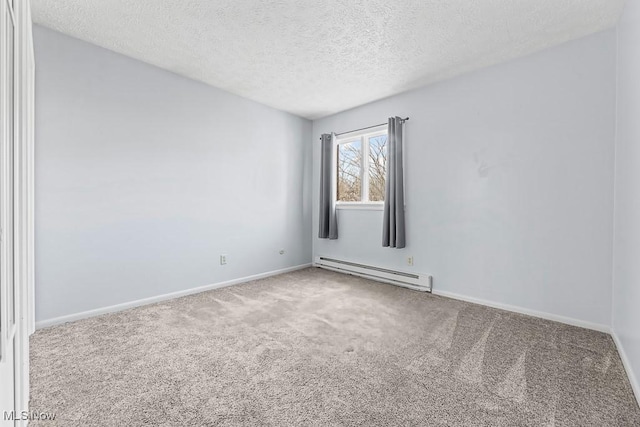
{"points": [[393, 233], [328, 228]]}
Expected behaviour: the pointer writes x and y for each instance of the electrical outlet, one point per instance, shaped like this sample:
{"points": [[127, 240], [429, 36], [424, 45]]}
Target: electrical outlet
{"points": [[410, 261], [223, 260]]}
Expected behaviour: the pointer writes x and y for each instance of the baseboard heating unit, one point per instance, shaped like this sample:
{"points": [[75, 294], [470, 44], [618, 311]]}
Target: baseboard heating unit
{"points": [[415, 281]]}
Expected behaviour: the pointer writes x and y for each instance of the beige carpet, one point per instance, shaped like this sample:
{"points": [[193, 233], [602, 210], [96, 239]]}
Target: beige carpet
{"points": [[320, 348]]}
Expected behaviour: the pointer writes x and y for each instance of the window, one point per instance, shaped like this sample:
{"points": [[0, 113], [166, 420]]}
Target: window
{"points": [[362, 167]]}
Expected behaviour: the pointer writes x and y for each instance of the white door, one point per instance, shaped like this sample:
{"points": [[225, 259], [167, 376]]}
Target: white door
{"points": [[8, 287]]}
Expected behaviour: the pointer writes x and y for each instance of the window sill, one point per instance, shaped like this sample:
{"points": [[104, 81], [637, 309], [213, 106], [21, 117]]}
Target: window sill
{"points": [[360, 206]]}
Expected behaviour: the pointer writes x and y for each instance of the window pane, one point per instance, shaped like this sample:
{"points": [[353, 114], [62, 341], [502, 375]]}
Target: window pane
{"points": [[350, 171], [377, 167]]}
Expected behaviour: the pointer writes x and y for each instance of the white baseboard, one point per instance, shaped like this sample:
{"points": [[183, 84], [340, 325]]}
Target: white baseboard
{"points": [[145, 301], [521, 310], [627, 367]]}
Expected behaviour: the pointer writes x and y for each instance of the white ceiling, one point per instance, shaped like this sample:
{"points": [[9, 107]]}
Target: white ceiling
{"points": [[318, 57]]}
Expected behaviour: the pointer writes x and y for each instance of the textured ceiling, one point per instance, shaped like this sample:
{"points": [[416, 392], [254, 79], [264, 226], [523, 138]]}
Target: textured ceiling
{"points": [[318, 57]]}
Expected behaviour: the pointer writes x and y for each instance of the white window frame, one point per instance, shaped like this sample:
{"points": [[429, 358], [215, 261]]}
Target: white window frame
{"points": [[362, 136]]}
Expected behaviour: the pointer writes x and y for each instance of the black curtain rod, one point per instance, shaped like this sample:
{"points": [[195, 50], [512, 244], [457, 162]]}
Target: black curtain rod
{"points": [[368, 127]]}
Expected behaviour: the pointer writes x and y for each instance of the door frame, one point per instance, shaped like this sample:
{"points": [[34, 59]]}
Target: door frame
{"points": [[9, 314], [23, 209], [24, 212]]}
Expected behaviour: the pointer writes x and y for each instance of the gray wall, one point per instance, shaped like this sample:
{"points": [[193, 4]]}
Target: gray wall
{"points": [[626, 287], [509, 182], [143, 178]]}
